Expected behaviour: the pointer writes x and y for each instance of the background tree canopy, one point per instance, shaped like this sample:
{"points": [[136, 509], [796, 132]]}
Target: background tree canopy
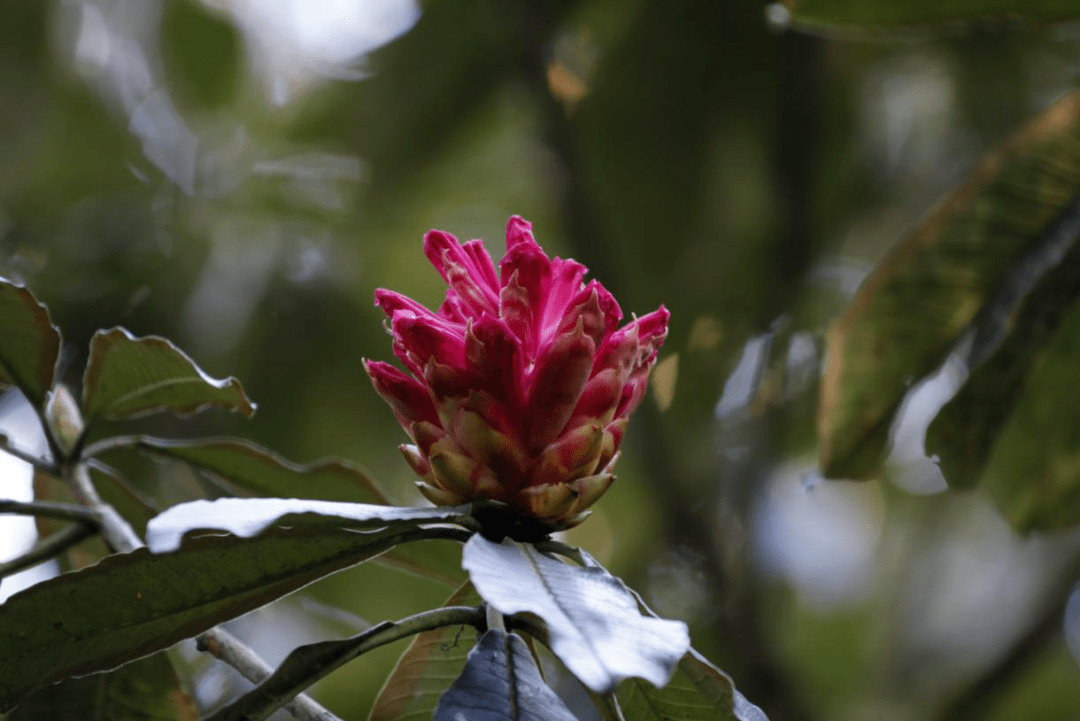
{"points": [[239, 177]]}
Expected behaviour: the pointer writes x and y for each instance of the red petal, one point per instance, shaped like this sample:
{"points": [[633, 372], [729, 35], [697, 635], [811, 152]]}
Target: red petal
{"points": [[392, 302], [426, 337], [408, 398], [464, 271], [556, 384], [598, 309], [493, 353], [518, 230]]}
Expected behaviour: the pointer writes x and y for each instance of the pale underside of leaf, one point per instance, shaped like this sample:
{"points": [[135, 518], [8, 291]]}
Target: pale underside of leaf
{"points": [[247, 517], [594, 625]]}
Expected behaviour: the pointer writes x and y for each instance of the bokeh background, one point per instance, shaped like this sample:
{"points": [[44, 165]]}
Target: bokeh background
{"points": [[239, 176]]}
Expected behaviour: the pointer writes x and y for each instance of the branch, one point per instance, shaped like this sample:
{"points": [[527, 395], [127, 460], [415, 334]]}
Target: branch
{"points": [[117, 532], [227, 648], [41, 464], [49, 547], [308, 664], [110, 444], [49, 509]]}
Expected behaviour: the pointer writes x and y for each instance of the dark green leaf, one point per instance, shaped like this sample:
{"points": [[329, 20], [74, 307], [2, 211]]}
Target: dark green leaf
{"points": [[876, 15], [964, 432], [594, 624], [146, 690], [260, 471], [501, 683], [697, 692], [915, 305], [127, 377], [29, 343], [246, 517], [1033, 471], [133, 604], [432, 661]]}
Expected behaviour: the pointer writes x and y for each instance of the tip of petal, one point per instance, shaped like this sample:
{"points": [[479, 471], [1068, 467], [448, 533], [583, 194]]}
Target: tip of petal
{"points": [[518, 230]]}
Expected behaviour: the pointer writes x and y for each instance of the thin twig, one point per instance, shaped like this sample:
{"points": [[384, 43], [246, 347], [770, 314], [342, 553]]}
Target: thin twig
{"points": [[117, 532], [227, 648], [50, 509], [308, 664], [111, 444], [49, 547], [42, 464]]}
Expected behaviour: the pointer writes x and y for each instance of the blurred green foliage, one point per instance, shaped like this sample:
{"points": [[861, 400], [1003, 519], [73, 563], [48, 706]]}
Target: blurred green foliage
{"points": [[176, 167]]}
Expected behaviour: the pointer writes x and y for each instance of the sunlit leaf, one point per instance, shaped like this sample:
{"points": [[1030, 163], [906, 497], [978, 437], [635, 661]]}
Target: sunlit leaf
{"points": [[246, 517], [594, 624], [133, 604], [260, 471], [127, 377], [29, 343], [501, 683], [915, 305], [876, 15], [146, 690], [430, 664], [697, 692]]}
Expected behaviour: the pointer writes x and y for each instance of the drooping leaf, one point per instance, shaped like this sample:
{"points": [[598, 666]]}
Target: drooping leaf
{"points": [[1033, 470], [127, 377], [930, 288], [259, 471], [29, 342], [146, 690], [501, 683], [876, 15], [697, 692], [246, 517], [307, 664], [130, 605], [594, 624], [965, 430], [430, 664]]}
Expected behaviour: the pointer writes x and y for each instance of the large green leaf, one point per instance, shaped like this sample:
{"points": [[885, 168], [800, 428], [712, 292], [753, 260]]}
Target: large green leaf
{"points": [[127, 377], [697, 692], [501, 682], [879, 15], [29, 342], [146, 690], [963, 434], [259, 471], [430, 664], [1033, 471], [914, 306], [133, 604], [593, 623]]}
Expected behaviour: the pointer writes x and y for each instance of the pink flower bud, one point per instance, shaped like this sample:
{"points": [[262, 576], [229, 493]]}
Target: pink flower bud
{"points": [[518, 389]]}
